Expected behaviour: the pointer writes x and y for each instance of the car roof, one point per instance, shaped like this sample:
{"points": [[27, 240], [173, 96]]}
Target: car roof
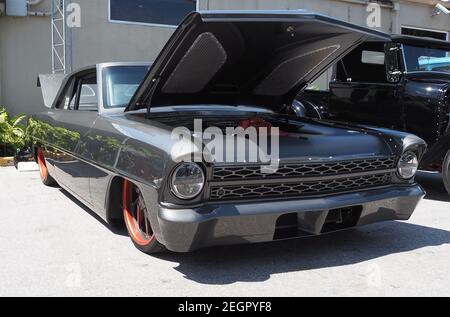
{"points": [[420, 41], [109, 64]]}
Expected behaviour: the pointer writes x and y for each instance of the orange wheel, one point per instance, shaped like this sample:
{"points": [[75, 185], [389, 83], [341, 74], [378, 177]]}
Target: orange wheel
{"points": [[45, 176], [136, 220]]}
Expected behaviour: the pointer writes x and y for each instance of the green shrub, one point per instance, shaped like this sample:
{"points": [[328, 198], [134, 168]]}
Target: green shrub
{"points": [[12, 133]]}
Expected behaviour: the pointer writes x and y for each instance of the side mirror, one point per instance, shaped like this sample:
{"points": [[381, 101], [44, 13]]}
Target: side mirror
{"points": [[393, 71]]}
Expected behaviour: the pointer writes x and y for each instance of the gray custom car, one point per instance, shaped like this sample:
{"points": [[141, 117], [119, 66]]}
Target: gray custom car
{"points": [[107, 138]]}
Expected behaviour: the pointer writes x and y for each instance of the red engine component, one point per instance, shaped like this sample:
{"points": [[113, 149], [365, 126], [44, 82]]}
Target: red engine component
{"points": [[256, 123], [259, 123]]}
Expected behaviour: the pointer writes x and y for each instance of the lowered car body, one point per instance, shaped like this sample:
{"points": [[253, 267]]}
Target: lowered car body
{"points": [[110, 142]]}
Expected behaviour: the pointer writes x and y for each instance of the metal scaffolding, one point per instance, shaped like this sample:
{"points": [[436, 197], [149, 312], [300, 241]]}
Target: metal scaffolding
{"points": [[60, 47]]}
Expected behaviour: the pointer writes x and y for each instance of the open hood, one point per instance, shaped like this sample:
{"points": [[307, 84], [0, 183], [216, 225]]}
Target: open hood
{"points": [[262, 58]]}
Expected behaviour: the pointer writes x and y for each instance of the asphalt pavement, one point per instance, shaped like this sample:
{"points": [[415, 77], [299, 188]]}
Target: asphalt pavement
{"points": [[50, 245]]}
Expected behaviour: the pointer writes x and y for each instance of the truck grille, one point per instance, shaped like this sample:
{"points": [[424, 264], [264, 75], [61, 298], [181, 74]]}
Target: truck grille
{"points": [[309, 188], [225, 173]]}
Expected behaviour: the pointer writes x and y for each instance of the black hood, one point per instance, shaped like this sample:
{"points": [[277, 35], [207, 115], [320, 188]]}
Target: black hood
{"points": [[246, 58]]}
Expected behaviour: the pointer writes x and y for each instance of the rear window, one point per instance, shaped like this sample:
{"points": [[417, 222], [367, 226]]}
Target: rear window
{"points": [[372, 57]]}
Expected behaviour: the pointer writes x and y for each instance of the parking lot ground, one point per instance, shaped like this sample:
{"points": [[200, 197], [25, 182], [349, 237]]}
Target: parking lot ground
{"points": [[50, 245]]}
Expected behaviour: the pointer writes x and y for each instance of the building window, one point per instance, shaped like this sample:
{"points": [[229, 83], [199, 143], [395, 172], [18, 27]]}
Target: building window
{"points": [[152, 12], [440, 35]]}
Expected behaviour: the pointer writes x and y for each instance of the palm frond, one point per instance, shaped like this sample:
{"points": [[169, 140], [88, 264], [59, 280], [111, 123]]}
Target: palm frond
{"points": [[3, 117], [12, 132], [15, 121]]}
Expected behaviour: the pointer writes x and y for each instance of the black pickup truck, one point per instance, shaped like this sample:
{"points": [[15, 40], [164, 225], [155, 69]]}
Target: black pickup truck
{"points": [[402, 83]]}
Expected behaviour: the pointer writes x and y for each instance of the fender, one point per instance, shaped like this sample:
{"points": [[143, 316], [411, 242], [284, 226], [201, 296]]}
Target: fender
{"points": [[441, 102]]}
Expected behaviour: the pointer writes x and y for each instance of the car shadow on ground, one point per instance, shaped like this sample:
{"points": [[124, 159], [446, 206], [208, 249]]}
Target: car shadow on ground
{"points": [[258, 262], [119, 230], [434, 186]]}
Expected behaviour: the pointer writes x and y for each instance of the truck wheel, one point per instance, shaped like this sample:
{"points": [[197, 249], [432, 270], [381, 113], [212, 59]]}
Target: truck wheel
{"points": [[137, 222], [45, 175], [446, 172]]}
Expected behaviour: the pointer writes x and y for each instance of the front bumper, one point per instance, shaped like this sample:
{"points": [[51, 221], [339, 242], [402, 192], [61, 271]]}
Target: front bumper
{"points": [[184, 230]]}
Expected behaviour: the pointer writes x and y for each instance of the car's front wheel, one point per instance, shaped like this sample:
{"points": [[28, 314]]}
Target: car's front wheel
{"points": [[136, 220], [446, 171], [45, 175]]}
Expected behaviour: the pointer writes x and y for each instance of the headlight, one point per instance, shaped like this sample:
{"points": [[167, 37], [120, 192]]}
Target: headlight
{"points": [[188, 181], [408, 165]]}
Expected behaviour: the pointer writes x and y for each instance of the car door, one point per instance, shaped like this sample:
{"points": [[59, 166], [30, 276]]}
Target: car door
{"points": [[361, 92], [367, 103], [75, 113]]}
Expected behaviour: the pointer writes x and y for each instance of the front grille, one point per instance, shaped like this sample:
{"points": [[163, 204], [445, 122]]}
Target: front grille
{"points": [[225, 173], [309, 188]]}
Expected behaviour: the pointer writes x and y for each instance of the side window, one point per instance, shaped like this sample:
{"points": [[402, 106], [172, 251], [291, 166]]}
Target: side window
{"points": [[88, 94], [66, 101], [365, 64], [80, 94]]}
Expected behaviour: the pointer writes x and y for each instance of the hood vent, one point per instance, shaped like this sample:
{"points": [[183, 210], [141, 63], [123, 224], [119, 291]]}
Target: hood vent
{"points": [[202, 61]]}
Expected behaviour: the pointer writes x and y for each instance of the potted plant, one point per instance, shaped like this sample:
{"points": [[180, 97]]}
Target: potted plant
{"points": [[12, 136]]}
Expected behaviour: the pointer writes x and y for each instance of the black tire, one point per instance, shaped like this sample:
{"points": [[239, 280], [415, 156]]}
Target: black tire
{"points": [[46, 178], [136, 220], [446, 172]]}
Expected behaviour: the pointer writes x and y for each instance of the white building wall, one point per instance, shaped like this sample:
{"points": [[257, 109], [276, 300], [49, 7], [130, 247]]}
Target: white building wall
{"points": [[418, 15], [25, 42], [99, 40], [24, 53]]}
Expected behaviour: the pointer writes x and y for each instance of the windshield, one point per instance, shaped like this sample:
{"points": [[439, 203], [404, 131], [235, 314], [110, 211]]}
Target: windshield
{"points": [[121, 83], [426, 59]]}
